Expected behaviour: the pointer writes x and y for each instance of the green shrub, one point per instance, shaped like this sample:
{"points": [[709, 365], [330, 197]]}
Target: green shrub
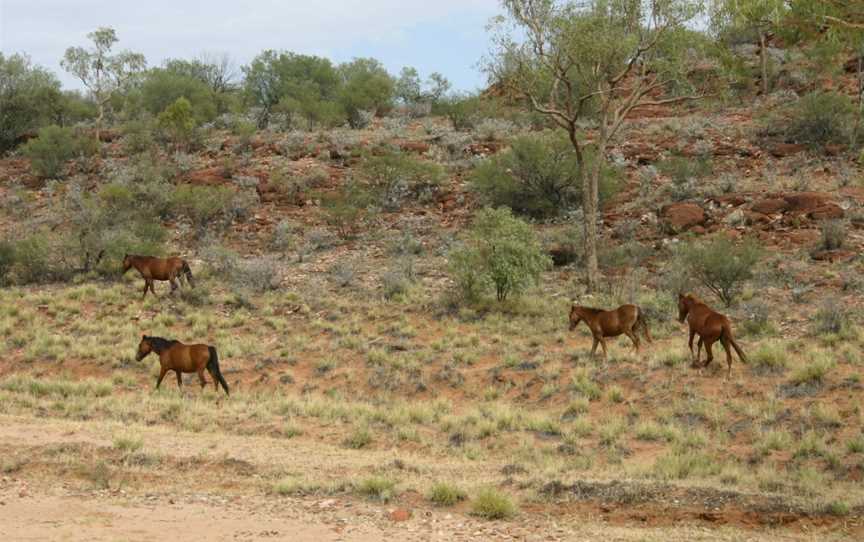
{"points": [[395, 177], [360, 438], [832, 234], [29, 98], [49, 151], [137, 136], [501, 253], [346, 208], [466, 111], [769, 357], [33, 260], [7, 258], [489, 503], [202, 205], [538, 176], [178, 123], [721, 265], [832, 318], [819, 118], [378, 488], [161, 88], [444, 494]]}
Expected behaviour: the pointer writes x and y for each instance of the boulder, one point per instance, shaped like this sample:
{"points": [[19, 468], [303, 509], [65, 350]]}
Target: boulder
{"points": [[680, 217], [399, 515], [805, 202], [751, 218], [213, 176], [832, 256], [828, 211], [769, 206], [734, 218], [782, 150]]}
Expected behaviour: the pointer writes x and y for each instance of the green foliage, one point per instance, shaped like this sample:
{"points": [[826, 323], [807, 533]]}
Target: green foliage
{"points": [[501, 253], [301, 85], [394, 177], [378, 488], [817, 119], [489, 503], [444, 494], [204, 206], [366, 88], [162, 87], [538, 176], [721, 265], [49, 151], [29, 98], [32, 260], [345, 209], [178, 122], [137, 136], [466, 111]]}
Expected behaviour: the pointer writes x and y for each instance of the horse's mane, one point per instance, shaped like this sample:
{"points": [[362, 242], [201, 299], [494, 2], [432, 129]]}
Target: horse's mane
{"points": [[159, 344], [592, 310]]}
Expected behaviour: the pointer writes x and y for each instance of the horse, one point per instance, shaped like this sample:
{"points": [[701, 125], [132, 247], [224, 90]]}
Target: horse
{"points": [[711, 326], [183, 358], [625, 319], [170, 269]]}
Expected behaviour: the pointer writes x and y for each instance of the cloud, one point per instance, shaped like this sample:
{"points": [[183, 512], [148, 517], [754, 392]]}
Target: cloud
{"points": [[337, 28]]}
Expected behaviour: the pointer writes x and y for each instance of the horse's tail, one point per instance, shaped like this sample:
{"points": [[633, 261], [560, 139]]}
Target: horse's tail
{"points": [[188, 272], [727, 331], [213, 365], [643, 323]]}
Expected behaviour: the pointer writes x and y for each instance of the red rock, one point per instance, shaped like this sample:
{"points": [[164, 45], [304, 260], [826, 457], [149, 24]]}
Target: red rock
{"points": [[732, 199], [833, 255], [697, 230], [399, 515], [414, 146], [769, 206], [781, 150], [680, 217], [211, 177], [805, 201], [751, 218], [827, 212]]}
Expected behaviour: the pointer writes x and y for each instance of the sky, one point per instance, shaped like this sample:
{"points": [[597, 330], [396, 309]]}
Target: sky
{"points": [[447, 36]]}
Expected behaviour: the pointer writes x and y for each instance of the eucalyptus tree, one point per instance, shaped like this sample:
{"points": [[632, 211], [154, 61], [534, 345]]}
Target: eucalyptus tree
{"points": [[102, 72], [588, 65]]}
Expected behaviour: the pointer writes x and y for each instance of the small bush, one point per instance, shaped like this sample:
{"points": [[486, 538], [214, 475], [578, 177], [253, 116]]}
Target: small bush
{"points": [[832, 235], [33, 260], [818, 119], [489, 503], [177, 122], [378, 488], [204, 206], [395, 177], [444, 494], [831, 318], [502, 253], [137, 137], [346, 208], [769, 358], [812, 373], [360, 438], [49, 151], [721, 265], [538, 177]]}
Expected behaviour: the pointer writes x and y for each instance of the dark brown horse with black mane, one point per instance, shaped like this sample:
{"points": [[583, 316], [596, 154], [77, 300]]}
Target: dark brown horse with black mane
{"points": [[171, 269], [711, 326], [183, 358], [626, 319]]}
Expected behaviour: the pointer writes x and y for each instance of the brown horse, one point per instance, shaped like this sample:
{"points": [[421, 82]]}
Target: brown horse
{"points": [[711, 326], [170, 269], [183, 358], [625, 319]]}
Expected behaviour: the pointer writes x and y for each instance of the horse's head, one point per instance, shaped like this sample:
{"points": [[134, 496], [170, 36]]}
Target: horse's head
{"points": [[575, 316], [684, 302], [144, 348], [127, 263]]}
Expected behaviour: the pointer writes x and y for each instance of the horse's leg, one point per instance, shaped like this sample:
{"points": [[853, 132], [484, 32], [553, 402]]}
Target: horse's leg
{"points": [[179, 379], [603, 344], [594, 347], [146, 284], [201, 377], [173, 284], [162, 373], [690, 344], [698, 352], [635, 338], [709, 352], [152, 290], [725, 342]]}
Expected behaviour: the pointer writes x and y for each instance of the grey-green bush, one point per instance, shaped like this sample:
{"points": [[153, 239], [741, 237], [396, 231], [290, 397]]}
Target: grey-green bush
{"points": [[501, 253], [49, 151], [721, 265], [538, 176]]}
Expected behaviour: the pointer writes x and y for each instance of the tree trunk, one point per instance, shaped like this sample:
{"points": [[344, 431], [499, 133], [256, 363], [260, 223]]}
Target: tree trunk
{"points": [[99, 121], [591, 207], [763, 58]]}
